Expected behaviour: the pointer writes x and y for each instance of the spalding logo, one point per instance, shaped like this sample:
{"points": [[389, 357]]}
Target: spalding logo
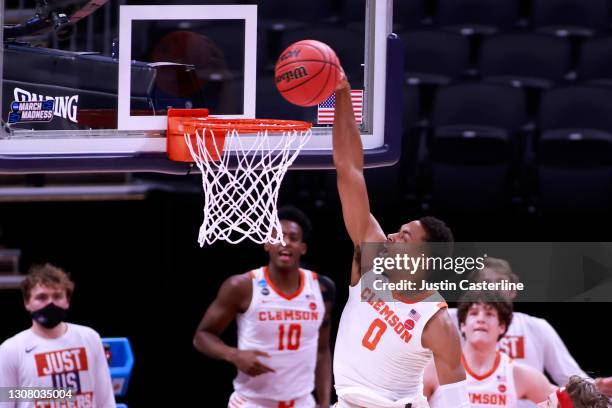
{"points": [[289, 76]]}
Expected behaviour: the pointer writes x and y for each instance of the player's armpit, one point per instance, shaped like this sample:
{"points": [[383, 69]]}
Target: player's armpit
{"points": [[441, 337]]}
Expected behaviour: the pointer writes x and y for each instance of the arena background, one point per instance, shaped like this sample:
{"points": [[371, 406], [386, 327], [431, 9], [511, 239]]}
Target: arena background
{"points": [[141, 274]]}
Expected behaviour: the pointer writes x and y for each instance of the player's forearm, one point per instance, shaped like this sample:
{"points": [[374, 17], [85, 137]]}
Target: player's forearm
{"points": [[212, 346], [346, 141], [323, 378]]}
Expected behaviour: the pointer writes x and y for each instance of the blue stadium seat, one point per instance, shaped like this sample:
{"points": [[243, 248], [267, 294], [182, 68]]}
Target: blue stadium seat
{"points": [[283, 10], [595, 62], [574, 151], [409, 14], [530, 60], [435, 57], [474, 148], [570, 17], [413, 125], [476, 16]]}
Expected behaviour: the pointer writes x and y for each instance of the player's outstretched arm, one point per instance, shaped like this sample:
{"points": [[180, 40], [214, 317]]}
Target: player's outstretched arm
{"points": [[348, 160], [218, 316], [441, 337], [531, 384]]}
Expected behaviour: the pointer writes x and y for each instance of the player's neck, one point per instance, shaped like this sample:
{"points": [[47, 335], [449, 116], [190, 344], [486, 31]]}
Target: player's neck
{"points": [[480, 358], [286, 279], [53, 333]]}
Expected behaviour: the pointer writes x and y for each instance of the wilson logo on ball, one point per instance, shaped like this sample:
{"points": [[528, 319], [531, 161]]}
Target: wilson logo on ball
{"points": [[289, 54], [289, 76]]}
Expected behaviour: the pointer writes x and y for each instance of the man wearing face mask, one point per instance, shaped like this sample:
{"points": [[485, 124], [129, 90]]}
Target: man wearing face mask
{"points": [[53, 353]]}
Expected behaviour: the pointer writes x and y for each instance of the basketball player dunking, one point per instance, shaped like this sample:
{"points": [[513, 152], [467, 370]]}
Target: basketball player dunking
{"points": [[283, 314], [373, 366]]}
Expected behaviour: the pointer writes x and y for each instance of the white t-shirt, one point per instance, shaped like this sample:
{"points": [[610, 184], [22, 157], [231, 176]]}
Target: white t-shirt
{"points": [[534, 342], [74, 361]]}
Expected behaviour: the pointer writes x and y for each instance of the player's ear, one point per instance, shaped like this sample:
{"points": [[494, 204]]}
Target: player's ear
{"points": [[303, 248], [266, 247]]}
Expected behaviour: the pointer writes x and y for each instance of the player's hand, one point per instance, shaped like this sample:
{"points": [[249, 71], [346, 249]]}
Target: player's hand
{"points": [[248, 361], [343, 81], [604, 385]]}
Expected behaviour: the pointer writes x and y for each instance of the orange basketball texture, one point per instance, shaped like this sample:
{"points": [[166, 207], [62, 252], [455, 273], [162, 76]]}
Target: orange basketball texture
{"points": [[307, 72]]}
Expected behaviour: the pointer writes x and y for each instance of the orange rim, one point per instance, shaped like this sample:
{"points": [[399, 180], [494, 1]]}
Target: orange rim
{"points": [[212, 130], [246, 125]]}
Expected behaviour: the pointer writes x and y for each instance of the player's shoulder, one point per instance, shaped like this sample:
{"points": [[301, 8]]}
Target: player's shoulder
{"points": [[524, 373], [13, 342], [440, 330], [531, 321], [237, 287], [240, 280], [84, 331], [441, 319]]}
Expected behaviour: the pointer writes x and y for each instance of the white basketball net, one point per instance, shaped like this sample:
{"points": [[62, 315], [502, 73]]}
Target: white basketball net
{"points": [[240, 202]]}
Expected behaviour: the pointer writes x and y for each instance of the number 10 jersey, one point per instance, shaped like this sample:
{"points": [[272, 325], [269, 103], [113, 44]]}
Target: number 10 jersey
{"points": [[286, 326]]}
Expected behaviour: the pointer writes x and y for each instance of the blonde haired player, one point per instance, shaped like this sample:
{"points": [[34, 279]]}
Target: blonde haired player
{"points": [[376, 363], [54, 353], [283, 314]]}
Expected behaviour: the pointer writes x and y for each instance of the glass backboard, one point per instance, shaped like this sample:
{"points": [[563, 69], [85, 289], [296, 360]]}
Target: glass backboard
{"points": [[86, 84]]}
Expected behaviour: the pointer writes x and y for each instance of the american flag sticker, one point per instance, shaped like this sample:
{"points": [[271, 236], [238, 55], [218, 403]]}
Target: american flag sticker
{"points": [[325, 115], [414, 315]]}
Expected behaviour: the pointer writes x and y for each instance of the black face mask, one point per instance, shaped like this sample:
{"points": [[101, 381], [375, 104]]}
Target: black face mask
{"points": [[50, 315]]}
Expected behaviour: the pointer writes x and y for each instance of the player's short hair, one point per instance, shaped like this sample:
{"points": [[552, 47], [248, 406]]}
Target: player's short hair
{"points": [[495, 299], [500, 266], [438, 232], [291, 213], [584, 393], [46, 275]]}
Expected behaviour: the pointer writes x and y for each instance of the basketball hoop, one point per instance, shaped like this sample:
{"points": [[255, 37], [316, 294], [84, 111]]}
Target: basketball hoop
{"points": [[241, 189]]}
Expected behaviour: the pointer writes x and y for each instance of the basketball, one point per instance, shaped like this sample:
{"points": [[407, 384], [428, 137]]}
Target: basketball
{"points": [[307, 72]]}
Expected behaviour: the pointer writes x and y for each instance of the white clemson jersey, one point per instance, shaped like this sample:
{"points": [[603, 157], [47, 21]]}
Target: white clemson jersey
{"points": [[286, 326], [495, 388], [534, 342], [378, 358]]}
